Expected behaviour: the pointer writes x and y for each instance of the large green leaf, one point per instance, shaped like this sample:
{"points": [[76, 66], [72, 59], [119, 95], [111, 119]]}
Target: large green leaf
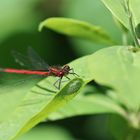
{"points": [[117, 9], [77, 28], [95, 13], [11, 94], [88, 104], [117, 67], [28, 115], [37, 106], [47, 132]]}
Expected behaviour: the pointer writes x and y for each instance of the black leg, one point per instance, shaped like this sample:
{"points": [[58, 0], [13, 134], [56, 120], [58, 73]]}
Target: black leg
{"points": [[73, 72], [67, 77], [66, 80], [59, 83], [56, 83]]}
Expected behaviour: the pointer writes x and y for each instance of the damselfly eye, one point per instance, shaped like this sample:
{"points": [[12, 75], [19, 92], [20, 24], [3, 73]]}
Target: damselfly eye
{"points": [[66, 67]]}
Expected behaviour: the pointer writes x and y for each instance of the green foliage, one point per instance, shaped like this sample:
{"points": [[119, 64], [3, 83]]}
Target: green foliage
{"points": [[114, 70], [126, 132], [47, 132], [94, 13], [77, 28], [11, 96], [118, 67], [14, 17], [117, 8], [38, 108]]}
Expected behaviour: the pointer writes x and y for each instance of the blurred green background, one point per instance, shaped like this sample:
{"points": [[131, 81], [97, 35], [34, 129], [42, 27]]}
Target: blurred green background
{"points": [[19, 22]]}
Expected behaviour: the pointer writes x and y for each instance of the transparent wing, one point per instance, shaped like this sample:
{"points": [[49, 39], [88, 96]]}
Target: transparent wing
{"points": [[32, 61], [21, 59], [36, 61]]}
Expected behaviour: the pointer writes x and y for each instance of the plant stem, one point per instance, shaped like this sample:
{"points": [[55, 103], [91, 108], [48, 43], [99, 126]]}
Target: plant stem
{"points": [[132, 28]]}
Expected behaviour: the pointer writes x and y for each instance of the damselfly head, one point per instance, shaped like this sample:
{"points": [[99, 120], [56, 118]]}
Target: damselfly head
{"points": [[66, 69]]}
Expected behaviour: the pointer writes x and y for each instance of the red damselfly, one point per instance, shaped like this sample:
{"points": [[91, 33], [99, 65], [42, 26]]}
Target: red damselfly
{"points": [[40, 67]]}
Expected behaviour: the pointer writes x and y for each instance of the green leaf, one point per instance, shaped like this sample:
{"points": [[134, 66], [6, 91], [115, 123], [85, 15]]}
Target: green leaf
{"points": [[95, 13], [135, 6], [116, 7], [119, 68], [28, 115], [11, 94], [47, 132], [77, 28], [88, 104]]}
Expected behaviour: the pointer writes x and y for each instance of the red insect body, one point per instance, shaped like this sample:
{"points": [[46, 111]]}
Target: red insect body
{"points": [[58, 72], [25, 72], [43, 68]]}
